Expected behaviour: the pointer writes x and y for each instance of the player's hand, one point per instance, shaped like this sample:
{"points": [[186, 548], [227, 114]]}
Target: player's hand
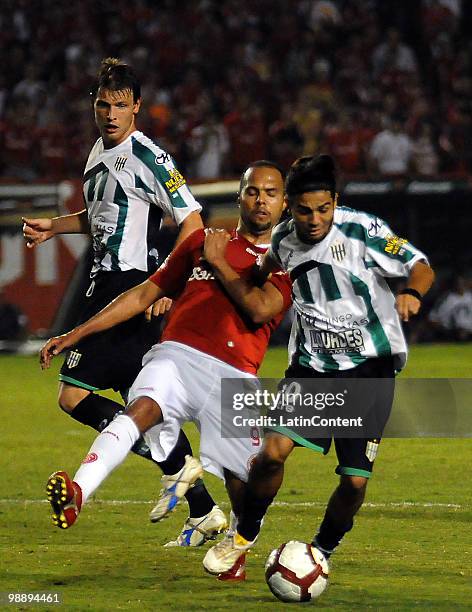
{"points": [[159, 307], [215, 245], [53, 347], [407, 306], [36, 231]]}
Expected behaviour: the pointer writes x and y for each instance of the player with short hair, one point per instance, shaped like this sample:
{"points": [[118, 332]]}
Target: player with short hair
{"points": [[207, 338], [337, 259], [130, 183]]}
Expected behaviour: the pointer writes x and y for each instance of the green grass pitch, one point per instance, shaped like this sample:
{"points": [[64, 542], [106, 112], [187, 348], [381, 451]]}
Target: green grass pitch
{"points": [[411, 547]]}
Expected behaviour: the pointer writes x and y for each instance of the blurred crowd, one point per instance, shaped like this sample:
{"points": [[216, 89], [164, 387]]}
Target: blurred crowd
{"points": [[383, 85]]}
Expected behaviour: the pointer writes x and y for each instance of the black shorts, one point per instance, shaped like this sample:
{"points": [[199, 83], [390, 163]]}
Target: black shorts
{"points": [[111, 359], [355, 455]]}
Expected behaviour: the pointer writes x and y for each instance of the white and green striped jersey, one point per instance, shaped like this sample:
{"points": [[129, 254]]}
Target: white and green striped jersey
{"points": [[127, 190], [344, 309]]}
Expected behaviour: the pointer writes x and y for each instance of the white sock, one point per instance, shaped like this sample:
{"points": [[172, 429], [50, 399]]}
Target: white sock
{"points": [[106, 453]]}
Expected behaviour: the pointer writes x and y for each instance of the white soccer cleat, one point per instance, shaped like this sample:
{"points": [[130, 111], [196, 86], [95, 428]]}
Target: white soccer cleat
{"points": [[174, 487], [197, 531], [222, 557]]}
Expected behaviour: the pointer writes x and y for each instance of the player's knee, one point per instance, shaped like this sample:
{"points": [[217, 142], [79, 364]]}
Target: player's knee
{"points": [[354, 487], [271, 458], [276, 449], [145, 412], [69, 397], [268, 463]]}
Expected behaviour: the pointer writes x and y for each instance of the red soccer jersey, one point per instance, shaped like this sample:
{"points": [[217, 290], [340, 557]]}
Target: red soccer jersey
{"points": [[203, 316]]}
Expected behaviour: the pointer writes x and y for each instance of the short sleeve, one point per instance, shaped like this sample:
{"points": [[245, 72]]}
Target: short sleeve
{"points": [[394, 256], [165, 185]]}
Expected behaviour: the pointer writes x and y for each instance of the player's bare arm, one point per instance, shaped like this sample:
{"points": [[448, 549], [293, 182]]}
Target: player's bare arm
{"points": [[36, 231], [125, 306], [261, 304], [192, 222], [420, 280]]}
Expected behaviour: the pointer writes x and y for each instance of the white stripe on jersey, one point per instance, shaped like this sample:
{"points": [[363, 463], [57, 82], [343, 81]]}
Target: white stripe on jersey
{"points": [[345, 311], [127, 189]]}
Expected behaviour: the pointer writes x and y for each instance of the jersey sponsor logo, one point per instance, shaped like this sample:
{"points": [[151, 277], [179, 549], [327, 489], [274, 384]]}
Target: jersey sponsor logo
{"points": [[120, 162], [162, 159], [330, 342], [90, 458], [73, 359], [175, 182], [374, 227], [346, 320], [338, 251], [371, 449], [394, 245], [199, 274], [100, 225]]}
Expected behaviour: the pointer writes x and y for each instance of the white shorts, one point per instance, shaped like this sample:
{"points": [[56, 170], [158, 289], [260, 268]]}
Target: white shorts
{"points": [[186, 384]]}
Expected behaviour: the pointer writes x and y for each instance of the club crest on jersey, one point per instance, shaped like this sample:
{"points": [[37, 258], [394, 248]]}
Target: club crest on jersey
{"points": [[338, 251], [120, 162], [73, 359]]}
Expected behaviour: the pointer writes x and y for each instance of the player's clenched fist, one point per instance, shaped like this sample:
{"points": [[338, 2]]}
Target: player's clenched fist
{"points": [[215, 245], [53, 347]]}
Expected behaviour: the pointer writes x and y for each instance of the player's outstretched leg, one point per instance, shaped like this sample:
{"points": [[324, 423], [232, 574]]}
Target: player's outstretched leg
{"points": [[338, 519], [107, 452], [65, 497], [174, 487], [196, 531]]}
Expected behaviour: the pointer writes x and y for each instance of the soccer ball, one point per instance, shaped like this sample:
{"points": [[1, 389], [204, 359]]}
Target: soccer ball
{"points": [[296, 571]]}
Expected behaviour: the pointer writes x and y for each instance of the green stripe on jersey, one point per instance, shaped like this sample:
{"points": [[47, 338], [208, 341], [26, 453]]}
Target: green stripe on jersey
{"points": [[160, 172], [305, 290], [140, 184], [304, 355], [353, 230], [94, 171], [379, 244], [114, 242], [374, 327], [328, 282], [92, 177]]}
